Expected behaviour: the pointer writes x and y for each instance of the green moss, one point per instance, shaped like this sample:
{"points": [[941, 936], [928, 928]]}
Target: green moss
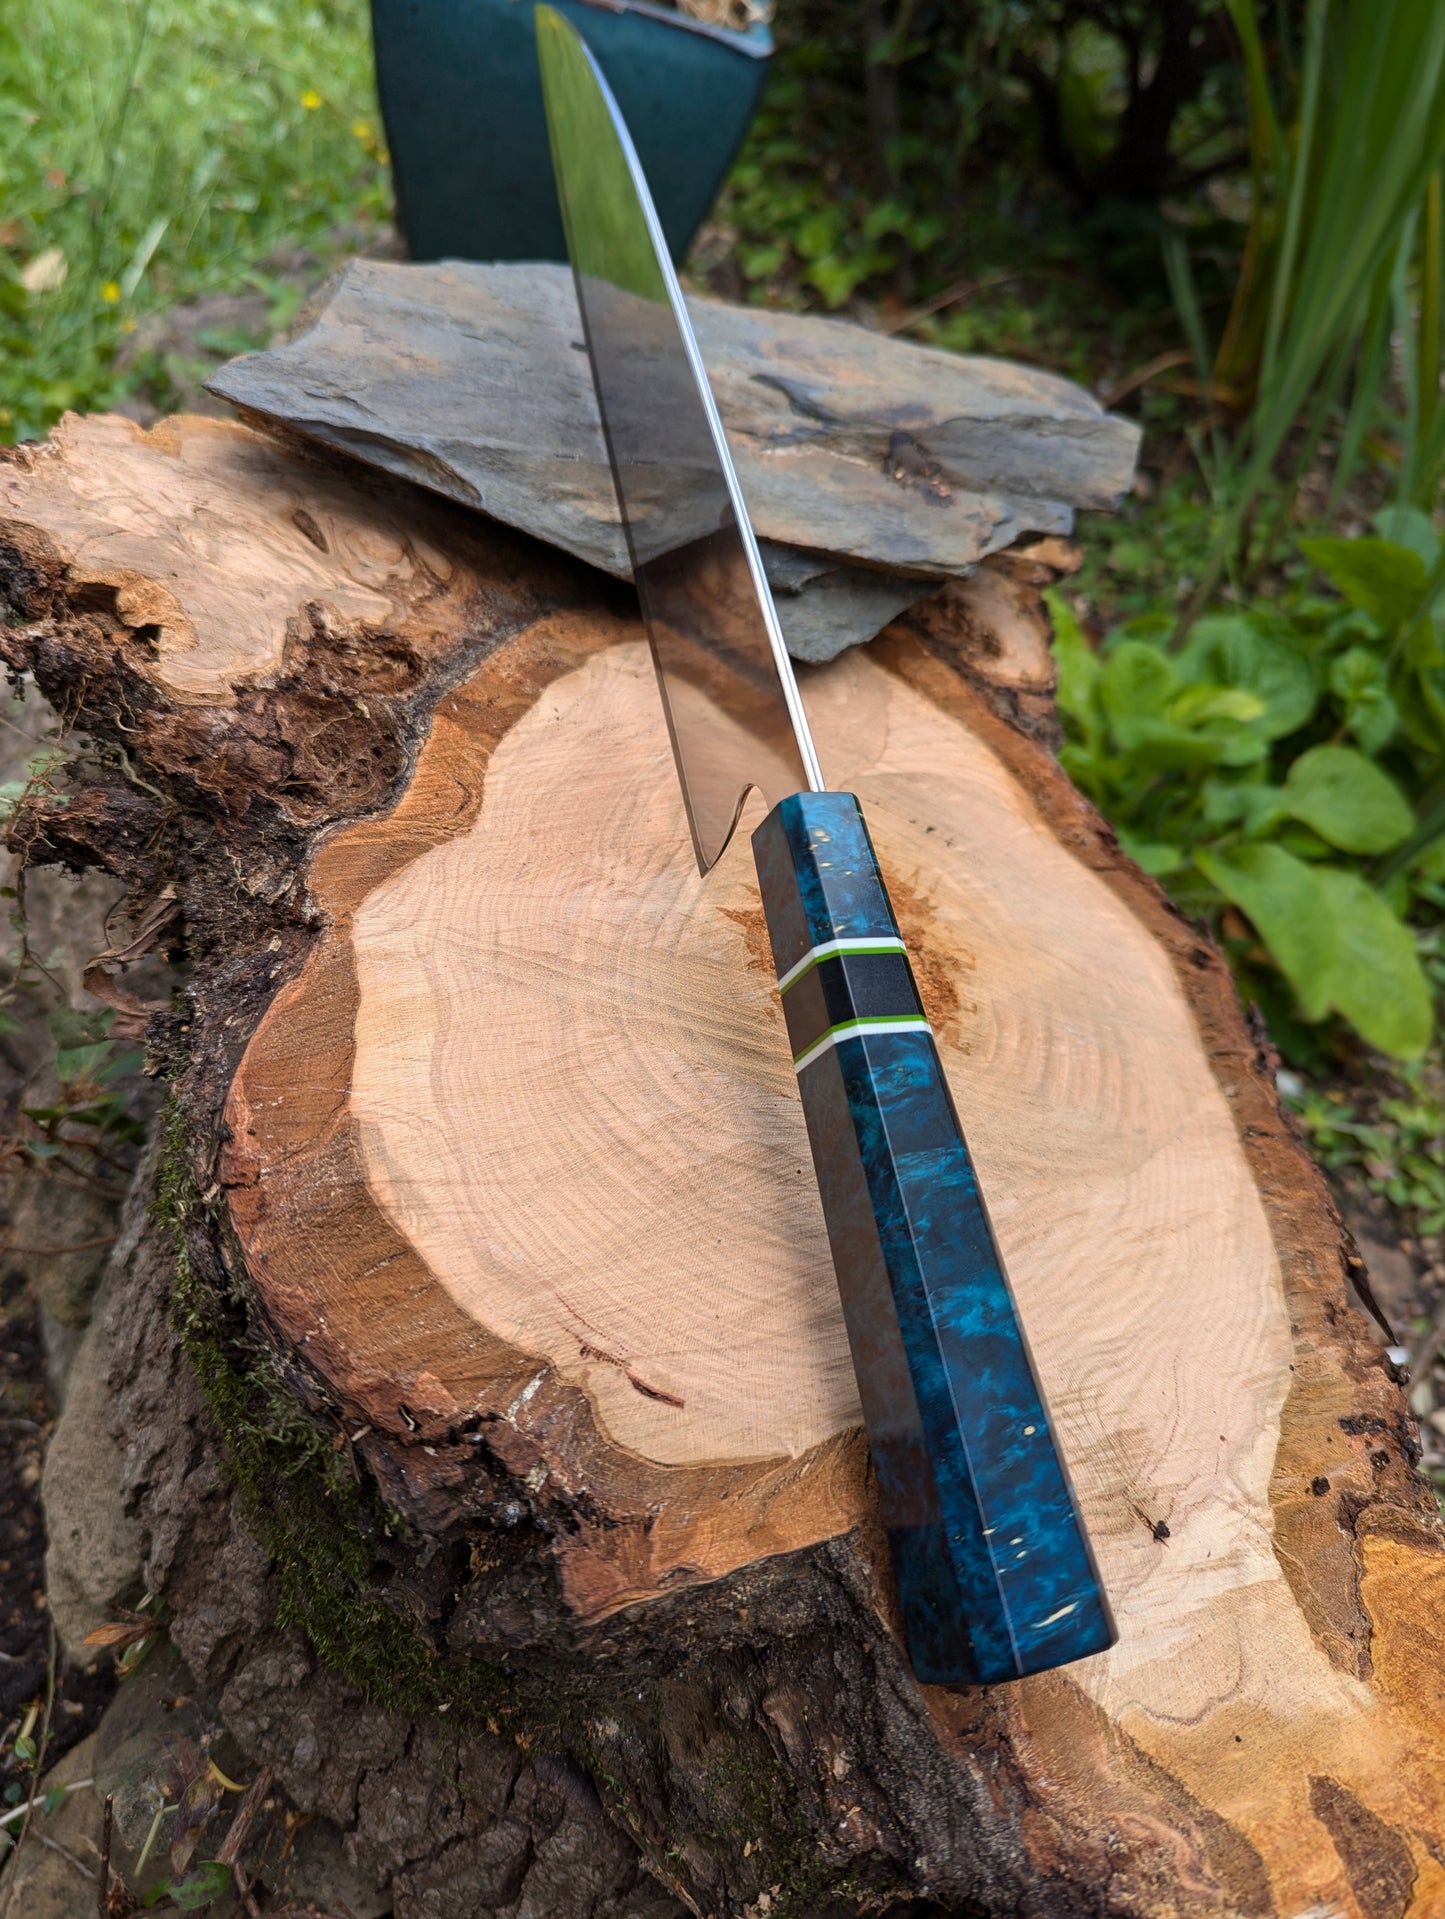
{"points": [[752, 1797], [326, 1534], [323, 1529]]}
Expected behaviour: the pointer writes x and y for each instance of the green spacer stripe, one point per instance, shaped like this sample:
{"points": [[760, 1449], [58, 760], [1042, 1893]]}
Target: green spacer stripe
{"points": [[891, 1022], [836, 949]]}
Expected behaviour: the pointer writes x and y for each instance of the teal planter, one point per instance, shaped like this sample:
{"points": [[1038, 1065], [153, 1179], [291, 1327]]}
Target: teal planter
{"points": [[462, 101]]}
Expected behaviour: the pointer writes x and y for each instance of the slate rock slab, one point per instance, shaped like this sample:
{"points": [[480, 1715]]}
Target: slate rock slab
{"points": [[873, 468]]}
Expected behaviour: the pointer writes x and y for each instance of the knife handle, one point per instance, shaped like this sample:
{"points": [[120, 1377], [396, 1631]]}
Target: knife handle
{"points": [[995, 1574]]}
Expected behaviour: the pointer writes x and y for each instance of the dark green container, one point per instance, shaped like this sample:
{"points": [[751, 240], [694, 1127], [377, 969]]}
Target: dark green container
{"points": [[462, 100]]}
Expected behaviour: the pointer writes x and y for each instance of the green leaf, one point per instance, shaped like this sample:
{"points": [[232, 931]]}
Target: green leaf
{"points": [[1198, 705], [1139, 690], [1136, 681], [1253, 804], [1304, 842], [1377, 981], [1229, 649], [1386, 580], [1334, 939], [53, 1800], [1155, 856], [81, 1062], [208, 1882], [1078, 667], [1408, 526], [1348, 800], [1360, 681], [1287, 905]]}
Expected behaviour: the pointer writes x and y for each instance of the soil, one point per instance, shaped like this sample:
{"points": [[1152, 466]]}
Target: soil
{"points": [[27, 1414]]}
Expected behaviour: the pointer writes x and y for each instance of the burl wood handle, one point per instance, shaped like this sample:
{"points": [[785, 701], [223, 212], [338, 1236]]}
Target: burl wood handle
{"points": [[995, 1575]]}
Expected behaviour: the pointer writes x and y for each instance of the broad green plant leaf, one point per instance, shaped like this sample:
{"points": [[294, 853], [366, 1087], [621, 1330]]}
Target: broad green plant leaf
{"points": [[1387, 581], [1135, 682], [1360, 681], [1377, 982], [1408, 526], [1254, 805], [1078, 668], [1164, 727], [1156, 857], [1348, 800], [200, 1888], [1287, 905], [1335, 940], [1228, 649]]}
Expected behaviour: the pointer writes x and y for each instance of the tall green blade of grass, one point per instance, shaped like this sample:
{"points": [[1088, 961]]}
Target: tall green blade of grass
{"points": [[153, 149], [1335, 198]]}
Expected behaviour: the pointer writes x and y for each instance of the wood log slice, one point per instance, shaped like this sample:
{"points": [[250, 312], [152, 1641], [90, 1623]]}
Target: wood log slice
{"points": [[494, 1187]]}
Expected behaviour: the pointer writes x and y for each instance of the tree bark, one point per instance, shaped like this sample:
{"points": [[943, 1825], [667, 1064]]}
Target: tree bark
{"points": [[499, 1284]]}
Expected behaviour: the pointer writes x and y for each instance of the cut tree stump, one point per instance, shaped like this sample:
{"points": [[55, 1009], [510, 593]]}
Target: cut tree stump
{"points": [[504, 1274]]}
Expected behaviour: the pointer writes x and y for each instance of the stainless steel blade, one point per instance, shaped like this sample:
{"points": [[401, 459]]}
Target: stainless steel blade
{"points": [[732, 702]]}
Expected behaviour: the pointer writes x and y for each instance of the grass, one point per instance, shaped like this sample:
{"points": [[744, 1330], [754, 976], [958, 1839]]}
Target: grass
{"points": [[154, 150]]}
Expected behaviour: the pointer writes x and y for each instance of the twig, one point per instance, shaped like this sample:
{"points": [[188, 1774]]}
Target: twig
{"points": [[38, 1766], [39, 1800], [229, 1851], [1141, 376], [1425, 1348], [960, 290], [79, 1246], [65, 1853], [103, 1900], [243, 1886]]}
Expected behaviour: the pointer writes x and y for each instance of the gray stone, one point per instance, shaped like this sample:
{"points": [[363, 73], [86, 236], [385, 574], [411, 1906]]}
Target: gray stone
{"points": [[93, 1561], [53, 1874], [881, 456], [826, 606], [62, 1233]]}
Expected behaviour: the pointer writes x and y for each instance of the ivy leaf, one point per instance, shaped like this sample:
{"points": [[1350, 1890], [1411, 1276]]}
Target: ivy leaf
{"points": [[1284, 899], [1386, 580], [1377, 982], [1347, 799]]}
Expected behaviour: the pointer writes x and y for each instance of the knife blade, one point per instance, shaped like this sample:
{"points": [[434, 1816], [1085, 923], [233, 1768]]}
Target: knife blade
{"points": [[995, 1574]]}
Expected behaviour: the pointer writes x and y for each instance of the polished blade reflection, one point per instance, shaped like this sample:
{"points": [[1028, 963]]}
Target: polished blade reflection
{"points": [[732, 703]]}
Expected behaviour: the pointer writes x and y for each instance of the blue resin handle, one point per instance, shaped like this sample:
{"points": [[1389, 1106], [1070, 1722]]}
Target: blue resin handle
{"points": [[995, 1575]]}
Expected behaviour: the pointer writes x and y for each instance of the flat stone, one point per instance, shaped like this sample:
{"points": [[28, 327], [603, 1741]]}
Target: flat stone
{"points": [[862, 458], [93, 1562], [57, 1880]]}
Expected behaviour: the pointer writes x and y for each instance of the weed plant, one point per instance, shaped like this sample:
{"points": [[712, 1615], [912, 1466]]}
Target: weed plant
{"points": [[151, 150]]}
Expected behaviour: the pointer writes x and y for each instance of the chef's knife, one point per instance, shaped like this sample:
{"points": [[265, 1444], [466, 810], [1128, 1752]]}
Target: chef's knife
{"points": [[995, 1575]]}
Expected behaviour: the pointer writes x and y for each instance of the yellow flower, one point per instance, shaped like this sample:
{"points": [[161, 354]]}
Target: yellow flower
{"points": [[110, 292], [311, 99], [361, 131]]}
